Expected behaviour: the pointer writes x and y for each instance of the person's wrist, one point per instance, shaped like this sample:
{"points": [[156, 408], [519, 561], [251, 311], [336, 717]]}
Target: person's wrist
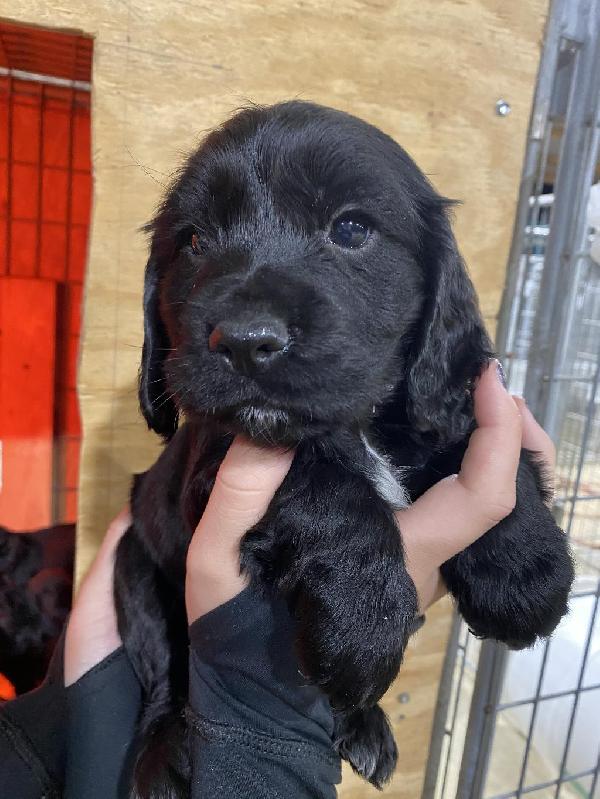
{"points": [[89, 639]]}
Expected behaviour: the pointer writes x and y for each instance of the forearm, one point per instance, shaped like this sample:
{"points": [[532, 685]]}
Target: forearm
{"points": [[102, 712], [72, 742]]}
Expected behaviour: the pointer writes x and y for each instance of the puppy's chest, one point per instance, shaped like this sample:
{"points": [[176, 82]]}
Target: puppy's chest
{"points": [[359, 456], [175, 498], [387, 480], [405, 470], [205, 455]]}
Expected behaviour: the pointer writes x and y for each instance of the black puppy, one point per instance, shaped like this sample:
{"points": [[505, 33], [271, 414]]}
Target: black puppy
{"points": [[304, 287]]}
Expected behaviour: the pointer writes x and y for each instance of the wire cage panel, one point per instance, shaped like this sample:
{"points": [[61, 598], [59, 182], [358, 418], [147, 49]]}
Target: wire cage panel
{"points": [[526, 723]]}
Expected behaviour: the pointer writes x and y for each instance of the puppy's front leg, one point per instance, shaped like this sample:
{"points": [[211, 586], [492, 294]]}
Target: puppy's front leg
{"points": [[331, 546]]}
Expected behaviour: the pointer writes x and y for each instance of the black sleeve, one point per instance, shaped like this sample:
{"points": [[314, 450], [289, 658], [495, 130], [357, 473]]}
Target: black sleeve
{"points": [[32, 738], [258, 728], [102, 711], [58, 743]]}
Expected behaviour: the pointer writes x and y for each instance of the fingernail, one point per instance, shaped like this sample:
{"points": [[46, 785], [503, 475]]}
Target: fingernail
{"points": [[500, 372]]}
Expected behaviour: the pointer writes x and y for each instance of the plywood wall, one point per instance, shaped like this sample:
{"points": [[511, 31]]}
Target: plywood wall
{"points": [[429, 72]]}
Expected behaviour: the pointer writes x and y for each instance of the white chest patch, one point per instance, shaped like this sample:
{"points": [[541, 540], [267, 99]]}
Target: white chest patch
{"points": [[386, 480]]}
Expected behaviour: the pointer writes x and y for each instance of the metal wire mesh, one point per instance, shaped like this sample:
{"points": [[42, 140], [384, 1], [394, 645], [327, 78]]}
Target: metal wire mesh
{"points": [[45, 188], [529, 721]]}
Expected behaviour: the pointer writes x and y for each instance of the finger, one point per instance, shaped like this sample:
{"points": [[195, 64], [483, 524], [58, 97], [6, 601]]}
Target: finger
{"points": [[100, 573], [459, 509], [489, 468], [535, 437], [92, 632], [246, 482], [103, 563], [430, 590]]}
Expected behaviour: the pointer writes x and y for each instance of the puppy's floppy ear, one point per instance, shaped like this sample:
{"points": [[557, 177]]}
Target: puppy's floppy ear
{"points": [[158, 408], [453, 346]]}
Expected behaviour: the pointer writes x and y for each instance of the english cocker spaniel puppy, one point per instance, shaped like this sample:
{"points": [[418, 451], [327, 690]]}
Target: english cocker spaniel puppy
{"points": [[304, 287]]}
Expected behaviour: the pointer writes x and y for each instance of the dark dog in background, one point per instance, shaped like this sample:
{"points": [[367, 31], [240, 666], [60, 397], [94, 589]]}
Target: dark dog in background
{"points": [[36, 582], [304, 287]]}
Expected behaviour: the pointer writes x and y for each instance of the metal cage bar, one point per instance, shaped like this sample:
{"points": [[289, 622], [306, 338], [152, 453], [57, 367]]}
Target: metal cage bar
{"points": [[442, 707]]}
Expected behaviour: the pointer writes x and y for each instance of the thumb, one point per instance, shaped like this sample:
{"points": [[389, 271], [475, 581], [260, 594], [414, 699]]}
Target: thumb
{"points": [[244, 487]]}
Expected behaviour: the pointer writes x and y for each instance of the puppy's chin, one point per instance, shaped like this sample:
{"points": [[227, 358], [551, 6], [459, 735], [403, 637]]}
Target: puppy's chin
{"points": [[271, 425]]}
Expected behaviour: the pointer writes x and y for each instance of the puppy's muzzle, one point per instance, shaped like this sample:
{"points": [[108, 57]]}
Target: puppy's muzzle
{"points": [[250, 347]]}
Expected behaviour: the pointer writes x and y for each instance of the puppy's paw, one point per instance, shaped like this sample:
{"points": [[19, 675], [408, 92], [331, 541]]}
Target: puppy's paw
{"points": [[513, 594], [351, 642], [364, 738]]}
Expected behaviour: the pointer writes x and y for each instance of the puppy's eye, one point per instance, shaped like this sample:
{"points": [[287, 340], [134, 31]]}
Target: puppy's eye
{"points": [[349, 232], [195, 244]]}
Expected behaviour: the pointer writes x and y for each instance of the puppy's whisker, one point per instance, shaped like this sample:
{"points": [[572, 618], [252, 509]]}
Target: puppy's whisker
{"points": [[164, 402], [161, 395]]}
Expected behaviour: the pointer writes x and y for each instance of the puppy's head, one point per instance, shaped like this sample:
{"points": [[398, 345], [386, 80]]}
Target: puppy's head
{"points": [[303, 276]]}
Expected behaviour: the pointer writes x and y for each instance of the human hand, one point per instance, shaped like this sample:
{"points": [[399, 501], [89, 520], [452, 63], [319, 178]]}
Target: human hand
{"points": [[445, 520], [92, 632], [458, 510]]}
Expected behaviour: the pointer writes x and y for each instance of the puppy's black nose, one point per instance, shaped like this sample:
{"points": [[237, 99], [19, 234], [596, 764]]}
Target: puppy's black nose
{"points": [[250, 347]]}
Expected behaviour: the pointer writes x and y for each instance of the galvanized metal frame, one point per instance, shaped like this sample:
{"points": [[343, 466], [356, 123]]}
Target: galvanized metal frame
{"points": [[439, 729], [568, 92]]}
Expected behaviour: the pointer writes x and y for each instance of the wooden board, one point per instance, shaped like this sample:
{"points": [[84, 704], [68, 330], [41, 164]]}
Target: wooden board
{"points": [[427, 72]]}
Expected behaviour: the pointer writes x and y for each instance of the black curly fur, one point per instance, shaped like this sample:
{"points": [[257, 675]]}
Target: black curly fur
{"points": [[35, 598], [385, 341]]}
